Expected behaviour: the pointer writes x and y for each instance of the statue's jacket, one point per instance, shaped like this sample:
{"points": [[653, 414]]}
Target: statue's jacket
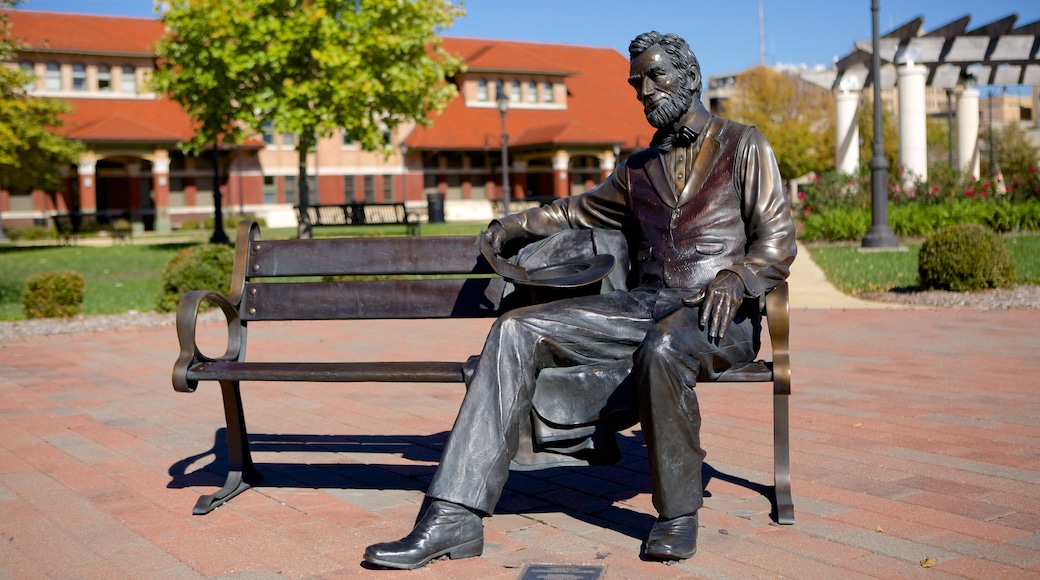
{"points": [[732, 215]]}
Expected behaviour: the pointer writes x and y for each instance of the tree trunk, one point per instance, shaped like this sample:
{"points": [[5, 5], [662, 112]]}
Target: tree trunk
{"points": [[304, 229]]}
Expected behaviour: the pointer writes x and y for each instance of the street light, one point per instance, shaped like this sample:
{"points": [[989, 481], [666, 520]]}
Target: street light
{"points": [[503, 106], [880, 234]]}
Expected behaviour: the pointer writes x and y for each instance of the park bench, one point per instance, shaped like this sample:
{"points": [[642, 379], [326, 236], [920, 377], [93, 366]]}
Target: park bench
{"points": [[394, 278], [69, 226], [358, 214]]}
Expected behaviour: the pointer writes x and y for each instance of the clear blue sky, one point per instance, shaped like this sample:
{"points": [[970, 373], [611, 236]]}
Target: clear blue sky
{"points": [[725, 35]]}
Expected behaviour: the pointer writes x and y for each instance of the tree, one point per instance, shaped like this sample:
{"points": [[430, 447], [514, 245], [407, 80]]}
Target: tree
{"points": [[31, 153], [309, 67], [796, 117]]}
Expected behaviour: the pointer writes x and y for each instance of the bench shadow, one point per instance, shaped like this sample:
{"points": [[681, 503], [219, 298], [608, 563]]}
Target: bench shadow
{"points": [[584, 493]]}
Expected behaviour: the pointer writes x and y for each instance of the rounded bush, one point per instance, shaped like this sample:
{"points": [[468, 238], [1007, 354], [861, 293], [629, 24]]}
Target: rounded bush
{"points": [[203, 267], [965, 257], [53, 294]]}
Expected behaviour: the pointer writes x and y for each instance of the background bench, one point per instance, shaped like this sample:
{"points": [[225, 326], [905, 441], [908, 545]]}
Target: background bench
{"points": [[69, 226], [427, 278], [358, 214]]}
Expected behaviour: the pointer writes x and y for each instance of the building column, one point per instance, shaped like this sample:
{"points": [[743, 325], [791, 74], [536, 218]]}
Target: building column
{"points": [[607, 162], [968, 132], [846, 113], [561, 176], [161, 188], [518, 180], [913, 121], [87, 184]]}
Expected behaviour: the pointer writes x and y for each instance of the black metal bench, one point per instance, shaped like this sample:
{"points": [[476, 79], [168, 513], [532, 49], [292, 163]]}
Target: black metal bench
{"points": [[69, 226], [358, 214], [428, 278]]}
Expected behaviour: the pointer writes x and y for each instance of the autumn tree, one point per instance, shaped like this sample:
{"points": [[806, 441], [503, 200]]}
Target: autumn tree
{"points": [[32, 154], [309, 67], [795, 116]]}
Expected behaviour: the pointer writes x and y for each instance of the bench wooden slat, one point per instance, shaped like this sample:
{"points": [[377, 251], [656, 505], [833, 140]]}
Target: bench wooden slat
{"points": [[354, 372], [432, 298], [366, 256]]}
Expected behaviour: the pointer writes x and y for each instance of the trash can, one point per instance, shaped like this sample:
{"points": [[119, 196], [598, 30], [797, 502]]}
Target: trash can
{"points": [[435, 208]]}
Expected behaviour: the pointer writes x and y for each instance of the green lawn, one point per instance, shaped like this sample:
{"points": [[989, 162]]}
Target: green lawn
{"points": [[853, 271]]}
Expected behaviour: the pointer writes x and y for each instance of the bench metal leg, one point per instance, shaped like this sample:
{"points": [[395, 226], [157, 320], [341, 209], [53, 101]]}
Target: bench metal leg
{"points": [[782, 460], [241, 472]]}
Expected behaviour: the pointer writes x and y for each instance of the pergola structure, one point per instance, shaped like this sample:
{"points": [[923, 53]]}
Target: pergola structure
{"points": [[950, 57]]}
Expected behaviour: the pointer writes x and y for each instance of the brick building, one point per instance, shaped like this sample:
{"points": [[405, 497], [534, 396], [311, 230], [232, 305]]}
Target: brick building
{"points": [[570, 119]]}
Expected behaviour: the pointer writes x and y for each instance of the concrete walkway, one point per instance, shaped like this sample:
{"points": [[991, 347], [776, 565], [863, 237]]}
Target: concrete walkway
{"points": [[915, 436]]}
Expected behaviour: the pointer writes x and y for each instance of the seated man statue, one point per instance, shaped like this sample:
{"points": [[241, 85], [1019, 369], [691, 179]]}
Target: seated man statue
{"points": [[708, 223]]}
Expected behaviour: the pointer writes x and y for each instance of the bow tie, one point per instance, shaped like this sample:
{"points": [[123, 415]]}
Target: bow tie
{"points": [[681, 138]]}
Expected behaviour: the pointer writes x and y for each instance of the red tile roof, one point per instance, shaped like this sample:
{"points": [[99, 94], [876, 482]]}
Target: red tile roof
{"points": [[82, 33], [127, 121], [601, 108]]}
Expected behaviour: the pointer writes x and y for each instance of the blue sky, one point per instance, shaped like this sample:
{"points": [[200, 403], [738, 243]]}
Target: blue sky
{"points": [[725, 35]]}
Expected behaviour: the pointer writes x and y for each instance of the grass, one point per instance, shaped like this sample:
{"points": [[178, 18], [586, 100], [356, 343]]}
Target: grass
{"points": [[117, 278], [123, 278], [854, 272]]}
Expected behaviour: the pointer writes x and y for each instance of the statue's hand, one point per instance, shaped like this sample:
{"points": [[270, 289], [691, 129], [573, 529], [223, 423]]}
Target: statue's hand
{"points": [[721, 301], [495, 237]]}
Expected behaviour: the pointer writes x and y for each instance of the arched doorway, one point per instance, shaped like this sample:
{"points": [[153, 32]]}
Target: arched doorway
{"points": [[124, 190]]}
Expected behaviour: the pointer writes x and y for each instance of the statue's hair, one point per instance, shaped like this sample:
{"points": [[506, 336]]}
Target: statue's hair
{"points": [[675, 47]]}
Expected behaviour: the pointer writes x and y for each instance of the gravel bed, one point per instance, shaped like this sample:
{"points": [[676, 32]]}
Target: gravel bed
{"points": [[1017, 298]]}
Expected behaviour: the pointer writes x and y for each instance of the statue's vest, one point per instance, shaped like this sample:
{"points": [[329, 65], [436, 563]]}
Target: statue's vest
{"points": [[686, 242]]}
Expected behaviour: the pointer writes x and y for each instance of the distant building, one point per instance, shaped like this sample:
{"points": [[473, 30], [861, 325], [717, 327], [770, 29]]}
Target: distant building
{"points": [[570, 118]]}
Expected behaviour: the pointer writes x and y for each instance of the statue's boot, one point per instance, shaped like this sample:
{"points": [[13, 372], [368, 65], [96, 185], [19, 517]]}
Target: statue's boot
{"points": [[674, 539], [446, 528]]}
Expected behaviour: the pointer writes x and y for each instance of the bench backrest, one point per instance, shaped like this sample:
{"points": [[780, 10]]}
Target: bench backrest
{"points": [[407, 277], [358, 214]]}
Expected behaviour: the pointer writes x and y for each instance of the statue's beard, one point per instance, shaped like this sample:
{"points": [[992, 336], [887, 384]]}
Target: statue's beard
{"points": [[671, 109]]}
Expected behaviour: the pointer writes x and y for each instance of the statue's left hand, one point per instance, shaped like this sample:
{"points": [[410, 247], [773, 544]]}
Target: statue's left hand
{"points": [[721, 301]]}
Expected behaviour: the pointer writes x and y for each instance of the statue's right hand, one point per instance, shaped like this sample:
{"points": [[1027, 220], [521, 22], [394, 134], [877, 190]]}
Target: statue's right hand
{"points": [[496, 237]]}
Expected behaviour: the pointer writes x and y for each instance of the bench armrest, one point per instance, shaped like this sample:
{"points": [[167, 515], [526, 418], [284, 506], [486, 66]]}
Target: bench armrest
{"points": [[187, 321], [778, 317]]}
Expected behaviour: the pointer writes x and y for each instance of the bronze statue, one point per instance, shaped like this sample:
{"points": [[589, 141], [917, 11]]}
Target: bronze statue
{"points": [[708, 224]]}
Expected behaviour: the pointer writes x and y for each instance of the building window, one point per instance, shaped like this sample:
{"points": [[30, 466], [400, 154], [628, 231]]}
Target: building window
{"points": [[288, 139], [270, 189], [347, 140], [514, 92], [52, 80], [532, 92], [312, 190], [79, 77], [482, 91], [128, 80], [267, 129], [547, 92], [388, 188], [104, 78], [349, 189], [370, 188], [290, 189], [30, 80]]}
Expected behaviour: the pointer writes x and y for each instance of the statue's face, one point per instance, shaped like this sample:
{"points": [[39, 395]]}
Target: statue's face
{"points": [[660, 87]]}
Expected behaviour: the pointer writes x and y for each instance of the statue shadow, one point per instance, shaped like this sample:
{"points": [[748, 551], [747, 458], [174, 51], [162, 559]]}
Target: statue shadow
{"points": [[587, 494]]}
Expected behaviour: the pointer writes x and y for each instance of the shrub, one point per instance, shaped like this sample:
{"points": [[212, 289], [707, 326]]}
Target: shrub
{"points": [[203, 267], [52, 294], [965, 257]]}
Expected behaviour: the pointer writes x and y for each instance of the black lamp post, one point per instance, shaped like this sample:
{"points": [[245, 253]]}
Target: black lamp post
{"points": [[880, 234], [949, 124], [503, 106]]}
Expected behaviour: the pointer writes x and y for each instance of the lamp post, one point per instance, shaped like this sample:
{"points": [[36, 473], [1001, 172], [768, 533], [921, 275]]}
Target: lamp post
{"points": [[949, 123], [503, 106], [880, 234]]}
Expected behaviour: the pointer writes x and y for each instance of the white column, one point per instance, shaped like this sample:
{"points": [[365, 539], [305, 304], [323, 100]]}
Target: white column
{"points": [[968, 131], [846, 109], [913, 121]]}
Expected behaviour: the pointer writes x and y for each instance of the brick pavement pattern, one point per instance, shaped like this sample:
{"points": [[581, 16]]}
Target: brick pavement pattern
{"points": [[915, 434]]}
